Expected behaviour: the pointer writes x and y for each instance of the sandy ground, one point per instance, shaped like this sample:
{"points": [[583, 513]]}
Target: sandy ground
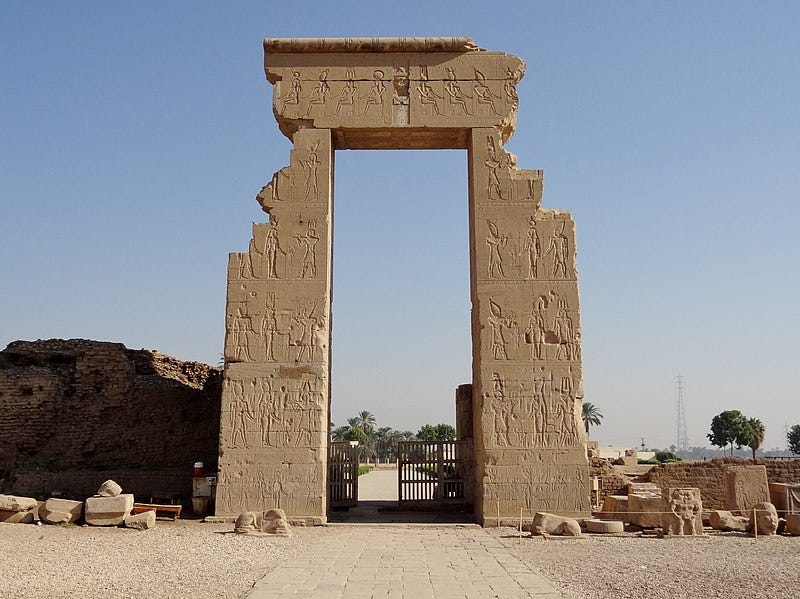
{"points": [[192, 559], [724, 565], [174, 559]]}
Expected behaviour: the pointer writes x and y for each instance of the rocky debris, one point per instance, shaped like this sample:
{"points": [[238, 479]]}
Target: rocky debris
{"points": [[18, 510], [28, 517], [12, 503], [143, 521], [60, 511], [109, 489], [792, 525], [544, 523], [275, 523], [725, 520], [108, 511], [615, 507], [764, 518], [645, 510], [605, 526]]}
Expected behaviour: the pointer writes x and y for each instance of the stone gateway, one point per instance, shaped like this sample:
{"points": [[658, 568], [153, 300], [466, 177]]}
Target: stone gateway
{"points": [[527, 381]]}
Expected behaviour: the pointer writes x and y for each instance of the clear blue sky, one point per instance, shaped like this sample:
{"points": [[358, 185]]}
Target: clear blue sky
{"points": [[135, 137]]}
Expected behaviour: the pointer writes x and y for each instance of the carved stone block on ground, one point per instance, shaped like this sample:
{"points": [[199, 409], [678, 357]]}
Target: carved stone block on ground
{"points": [[683, 512], [275, 523], [544, 523], [109, 489], [764, 516], [792, 525], [645, 511], [108, 511], [746, 486], [141, 521], [644, 489], [785, 497], [60, 511], [605, 526], [615, 507], [725, 520], [12, 503], [27, 517]]}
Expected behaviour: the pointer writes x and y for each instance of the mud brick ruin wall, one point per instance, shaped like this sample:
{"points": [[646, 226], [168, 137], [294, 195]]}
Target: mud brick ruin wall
{"points": [[709, 476], [74, 413]]}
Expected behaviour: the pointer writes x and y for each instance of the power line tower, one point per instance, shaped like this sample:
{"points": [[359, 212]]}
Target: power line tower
{"points": [[681, 434]]}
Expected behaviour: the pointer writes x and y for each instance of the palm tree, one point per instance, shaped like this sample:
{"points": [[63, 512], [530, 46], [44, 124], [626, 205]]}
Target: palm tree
{"points": [[590, 415], [366, 422], [757, 432]]}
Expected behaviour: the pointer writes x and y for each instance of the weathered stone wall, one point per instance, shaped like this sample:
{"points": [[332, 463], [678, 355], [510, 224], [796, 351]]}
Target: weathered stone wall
{"points": [[75, 412], [709, 476]]}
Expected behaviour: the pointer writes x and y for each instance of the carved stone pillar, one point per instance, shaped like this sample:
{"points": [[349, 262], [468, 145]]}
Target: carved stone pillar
{"points": [[275, 399], [527, 379]]}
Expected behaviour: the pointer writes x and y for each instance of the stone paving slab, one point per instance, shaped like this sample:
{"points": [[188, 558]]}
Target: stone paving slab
{"points": [[414, 562]]}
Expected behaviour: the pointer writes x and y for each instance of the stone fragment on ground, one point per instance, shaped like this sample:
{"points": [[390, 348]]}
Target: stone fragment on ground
{"points": [[615, 507], [275, 523], [764, 518], [746, 486], [544, 523], [12, 503], [142, 521], [792, 525], [17, 517], [60, 511], [726, 521], [108, 511], [645, 510], [109, 489], [605, 526], [683, 511]]}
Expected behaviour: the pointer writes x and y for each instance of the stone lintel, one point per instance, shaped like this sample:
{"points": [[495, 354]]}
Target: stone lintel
{"points": [[369, 44]]}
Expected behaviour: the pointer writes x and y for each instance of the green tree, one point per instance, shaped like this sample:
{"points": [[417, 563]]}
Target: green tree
{"points": [[338, 433], [354, 433], [590, 415], [727, 428], [439, 432], [793, 438], [365, 421], [752, 434]]}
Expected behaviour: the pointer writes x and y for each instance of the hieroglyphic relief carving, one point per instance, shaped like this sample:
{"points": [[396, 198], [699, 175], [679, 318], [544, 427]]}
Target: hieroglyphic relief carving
{"points": [[292, 97], [483, 93], [400, 96], [456, 97], [308, 241], [428, 97], [500, 322], [496, 243], [494, 163], [374, 97], [533, 248], [312, 166], [559, 246], [320, 92], [345, 105]]}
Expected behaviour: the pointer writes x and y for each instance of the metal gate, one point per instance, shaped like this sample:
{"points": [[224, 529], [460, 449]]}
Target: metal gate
{"points": [[433, 474], [342, 474]]}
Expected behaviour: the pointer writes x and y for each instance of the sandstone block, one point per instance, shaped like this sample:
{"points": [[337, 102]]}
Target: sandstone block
{"points": [[644, 489], [683, 512], [60, 511], [17, 517], [793, 525], [746, 486], [12, 503], [605, 526], [275, 523], [785, 497], [142, 521], [544, 523], [615, 507], [108, 511], [109, 489], [724, 520], [764, 518], [645, 511]]}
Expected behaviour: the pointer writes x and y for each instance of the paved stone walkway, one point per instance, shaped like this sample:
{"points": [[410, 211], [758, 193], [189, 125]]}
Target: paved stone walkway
{"points": [[412, 561]]}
